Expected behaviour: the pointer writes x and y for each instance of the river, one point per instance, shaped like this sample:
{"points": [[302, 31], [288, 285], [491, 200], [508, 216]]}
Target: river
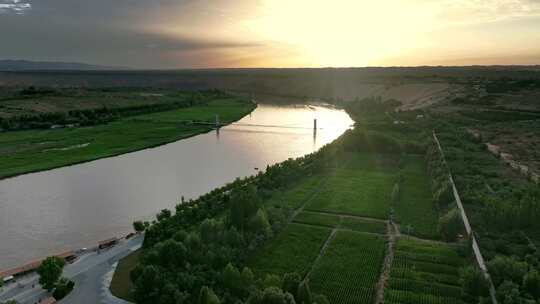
{"points": [[72, 207]]}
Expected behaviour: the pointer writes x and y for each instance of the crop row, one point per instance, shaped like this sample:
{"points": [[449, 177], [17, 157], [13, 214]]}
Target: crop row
{"points": [[407, 297], [415, 207], [344, 222], [356, 190], [293, 250], [424, 273], [296, 195], [349, 269], [438, 259]]}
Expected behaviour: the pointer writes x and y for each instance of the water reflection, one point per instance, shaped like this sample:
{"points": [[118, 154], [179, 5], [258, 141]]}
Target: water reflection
{"points": [[72, 207]]}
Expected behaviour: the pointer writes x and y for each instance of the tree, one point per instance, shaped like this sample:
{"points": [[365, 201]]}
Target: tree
{"points": [[232, 279], [164, 214], [531, 283], [259, 224], [320, 299], [207, 296], [172, 253], [473, 282], [304, 293], [50, 271], [272, 280], [512, 297], [271, 295], [450, 225], [290, 284], [244, 204], [62, 289], [138, 226], [503, 268], [505, 289]]}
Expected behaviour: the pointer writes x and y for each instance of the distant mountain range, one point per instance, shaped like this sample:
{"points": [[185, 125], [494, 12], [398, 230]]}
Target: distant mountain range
{"points": [[26, 65]]}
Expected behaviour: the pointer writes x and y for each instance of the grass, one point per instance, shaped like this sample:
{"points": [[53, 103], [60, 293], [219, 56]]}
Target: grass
{"points": [[350, 267], [416, 206], [424, 272], [35, 150], [293, 250], [361, 187], [121, 284]]}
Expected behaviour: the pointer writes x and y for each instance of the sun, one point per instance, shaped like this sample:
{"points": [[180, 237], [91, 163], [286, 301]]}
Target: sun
{"points": [[339, 33]]}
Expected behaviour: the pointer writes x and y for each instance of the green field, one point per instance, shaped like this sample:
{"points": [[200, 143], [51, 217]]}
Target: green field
{"points": [[350, 268], [293, 250], [320, 219], [35, 150], [424, 272], [416, 207], [363, 225], [361, 187], [296, 194], [342, 222]]}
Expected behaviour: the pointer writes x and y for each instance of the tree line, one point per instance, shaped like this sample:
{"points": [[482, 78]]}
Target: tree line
{"points": [[198, 254]]}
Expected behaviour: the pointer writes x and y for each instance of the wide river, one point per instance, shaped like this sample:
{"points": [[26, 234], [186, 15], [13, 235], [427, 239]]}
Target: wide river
{"points": [[72, 207]]}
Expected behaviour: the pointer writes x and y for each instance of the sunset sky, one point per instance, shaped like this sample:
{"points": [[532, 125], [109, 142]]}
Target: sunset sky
{"points": [[271, 33]]}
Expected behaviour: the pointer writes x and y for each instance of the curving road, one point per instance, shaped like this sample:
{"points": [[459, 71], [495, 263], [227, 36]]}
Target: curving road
{"points": [[91, 273]]}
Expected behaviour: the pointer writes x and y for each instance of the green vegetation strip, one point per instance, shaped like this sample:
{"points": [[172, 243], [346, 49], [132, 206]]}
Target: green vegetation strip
{"points": [[321, 219], [35, 150], [342, 222], [363, 225], [121, 284], [293, 250], [349, 269], [416, 208]]}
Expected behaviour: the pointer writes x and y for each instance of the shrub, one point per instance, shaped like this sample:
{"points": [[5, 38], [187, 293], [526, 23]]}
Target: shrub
{"points": [[450, 225], [63, 288]]}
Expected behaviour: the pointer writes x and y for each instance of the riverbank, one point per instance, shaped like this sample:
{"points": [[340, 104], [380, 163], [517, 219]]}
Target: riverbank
{"points": [[88, 270], [25, 152]]}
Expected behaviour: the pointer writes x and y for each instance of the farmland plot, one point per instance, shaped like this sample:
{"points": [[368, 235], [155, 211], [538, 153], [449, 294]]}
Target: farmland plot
{"points": [[360, 188], [341, 222], [320, 219], [415, 208], [296, 195], [349, 269], [424, 273], [294, 250]]}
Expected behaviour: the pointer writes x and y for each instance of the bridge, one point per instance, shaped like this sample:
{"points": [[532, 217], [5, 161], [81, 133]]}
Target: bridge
{"points": [[217, 124]]}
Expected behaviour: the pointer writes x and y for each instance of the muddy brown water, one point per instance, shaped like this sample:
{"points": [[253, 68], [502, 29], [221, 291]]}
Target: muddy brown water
{"points": [[72, 207]]}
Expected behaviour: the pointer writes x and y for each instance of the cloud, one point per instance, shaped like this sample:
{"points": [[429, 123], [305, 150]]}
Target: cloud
{"points": [[484, 11], [14, 6]]}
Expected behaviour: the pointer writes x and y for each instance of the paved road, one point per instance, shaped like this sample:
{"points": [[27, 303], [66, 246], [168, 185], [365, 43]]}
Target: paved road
{"points": [[91, 273]]}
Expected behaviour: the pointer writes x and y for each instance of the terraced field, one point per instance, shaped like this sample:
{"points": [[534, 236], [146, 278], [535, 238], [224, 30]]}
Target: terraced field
{"points": [[416, 207], [349, 269], [424, 273]]}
